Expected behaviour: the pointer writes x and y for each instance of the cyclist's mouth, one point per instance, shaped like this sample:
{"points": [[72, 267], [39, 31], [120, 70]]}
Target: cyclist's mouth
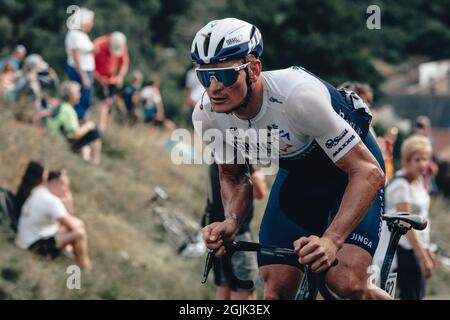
{"points": [[218, 100]]}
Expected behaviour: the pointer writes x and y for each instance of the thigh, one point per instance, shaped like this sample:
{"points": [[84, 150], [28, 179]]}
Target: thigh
{"points": [[63, 238], [289, 215]]}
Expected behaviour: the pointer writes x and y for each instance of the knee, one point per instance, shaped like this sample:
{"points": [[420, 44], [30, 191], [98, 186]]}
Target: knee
{"points": [[351, 288], [80, 233]]}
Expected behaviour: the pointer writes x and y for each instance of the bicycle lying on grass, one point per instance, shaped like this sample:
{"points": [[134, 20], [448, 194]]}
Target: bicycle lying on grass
{"points": [[313, 283], [183, 231]]}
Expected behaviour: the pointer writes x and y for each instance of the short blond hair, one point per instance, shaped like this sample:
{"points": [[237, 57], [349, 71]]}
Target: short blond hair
{"points": [[413, 145]]}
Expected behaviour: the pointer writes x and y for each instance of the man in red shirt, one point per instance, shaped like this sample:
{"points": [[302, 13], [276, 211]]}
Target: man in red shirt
{"points": [[111, 66]]}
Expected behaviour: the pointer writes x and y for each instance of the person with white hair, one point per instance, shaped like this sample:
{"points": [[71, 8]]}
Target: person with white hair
{"points": [[15, 58], [80, 58], [112, 61]]}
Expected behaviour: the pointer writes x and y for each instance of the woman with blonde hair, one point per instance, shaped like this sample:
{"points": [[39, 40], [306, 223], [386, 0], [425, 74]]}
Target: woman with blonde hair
{"points": [[406, 193]]}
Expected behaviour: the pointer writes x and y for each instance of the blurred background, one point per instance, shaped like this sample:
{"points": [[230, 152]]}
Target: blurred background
{"points": [[406, 63]]}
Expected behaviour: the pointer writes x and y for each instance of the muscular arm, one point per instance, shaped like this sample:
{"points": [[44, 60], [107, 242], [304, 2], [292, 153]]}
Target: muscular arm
{"points": [[236, 192], [365, 179]]}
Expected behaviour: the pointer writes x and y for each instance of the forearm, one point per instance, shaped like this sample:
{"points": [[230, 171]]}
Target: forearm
{"points": [[123, 70], [76, 60], [413, 239], [236, 192], [361, 189]]}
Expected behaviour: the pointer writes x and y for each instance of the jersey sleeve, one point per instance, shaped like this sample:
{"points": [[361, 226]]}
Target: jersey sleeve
{"points": [[310, 106], [222, 149]]}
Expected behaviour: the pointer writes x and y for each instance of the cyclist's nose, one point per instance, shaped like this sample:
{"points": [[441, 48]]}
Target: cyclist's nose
{"points": [[215, 84]]}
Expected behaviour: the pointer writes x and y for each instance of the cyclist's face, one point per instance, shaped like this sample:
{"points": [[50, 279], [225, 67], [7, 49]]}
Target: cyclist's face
{"points": [[418, 164], [224, 99]]}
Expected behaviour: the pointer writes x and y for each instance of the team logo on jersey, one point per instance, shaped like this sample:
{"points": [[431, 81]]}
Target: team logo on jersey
{"points": [[346, 143], [334, 142]]}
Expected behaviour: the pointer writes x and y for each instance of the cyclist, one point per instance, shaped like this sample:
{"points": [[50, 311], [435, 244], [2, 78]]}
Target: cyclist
{"points": [[330, 170]]}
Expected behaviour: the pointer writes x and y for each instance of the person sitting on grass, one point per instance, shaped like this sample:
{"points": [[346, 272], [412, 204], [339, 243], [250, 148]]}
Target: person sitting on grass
{"points": [[63, 122], [45, 226]]}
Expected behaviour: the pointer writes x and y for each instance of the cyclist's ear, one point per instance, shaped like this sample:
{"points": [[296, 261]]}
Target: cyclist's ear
{"points": [[255, 70]]}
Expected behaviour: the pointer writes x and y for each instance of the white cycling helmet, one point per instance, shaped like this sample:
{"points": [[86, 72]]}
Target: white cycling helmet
{"points": [[226, 39]]}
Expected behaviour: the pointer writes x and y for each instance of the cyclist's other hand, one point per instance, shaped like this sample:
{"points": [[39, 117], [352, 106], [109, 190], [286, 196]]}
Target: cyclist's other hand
{"points": [[214, 233], [318, 253]]}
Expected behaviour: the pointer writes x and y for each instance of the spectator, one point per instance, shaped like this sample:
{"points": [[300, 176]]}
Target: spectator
{"points": [[80, 59], [15, 58], [46, 227], [193, 91], [153, 106], [27, 87], [131, 95], [7, 78], [422, 127], [386, 144], [244, 264], [64, 123], [35, 174], [111, 61], [406, 193]]}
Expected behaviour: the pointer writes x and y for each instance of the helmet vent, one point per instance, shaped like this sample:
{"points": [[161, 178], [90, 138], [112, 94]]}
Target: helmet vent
{"points": [[252, 33], [206, 44], [196, 51], [219, 46], [230, 51]]}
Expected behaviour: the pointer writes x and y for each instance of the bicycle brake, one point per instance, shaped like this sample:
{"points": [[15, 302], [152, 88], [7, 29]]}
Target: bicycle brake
{"points": [[208, 264]]}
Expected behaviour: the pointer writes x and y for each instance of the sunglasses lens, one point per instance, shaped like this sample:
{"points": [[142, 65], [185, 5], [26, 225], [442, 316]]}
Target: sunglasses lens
{"points": [[227, 76]]}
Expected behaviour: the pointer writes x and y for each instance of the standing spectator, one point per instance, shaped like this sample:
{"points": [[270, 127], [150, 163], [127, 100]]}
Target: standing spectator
{"points": [[422, 127], [15, 58], [193, 91], [45, 226], [111, 61], [244, 263], [64, 123], [153, 106], [80, 59], [131, 95], [406, 193], [7, 78]]}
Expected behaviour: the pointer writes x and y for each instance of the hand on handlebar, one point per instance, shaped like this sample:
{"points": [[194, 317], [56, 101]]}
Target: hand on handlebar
{"points": [[214, 233], [318, 253]]}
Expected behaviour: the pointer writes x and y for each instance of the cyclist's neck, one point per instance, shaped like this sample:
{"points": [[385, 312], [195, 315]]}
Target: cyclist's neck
{"points": [[255, 103]]}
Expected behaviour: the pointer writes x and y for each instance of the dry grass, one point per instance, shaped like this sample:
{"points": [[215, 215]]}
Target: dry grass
{"points": [[131, 257]]}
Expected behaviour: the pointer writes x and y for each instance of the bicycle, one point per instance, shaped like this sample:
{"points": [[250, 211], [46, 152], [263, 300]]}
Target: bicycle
{"points": [[184, 232], [313, 283]]}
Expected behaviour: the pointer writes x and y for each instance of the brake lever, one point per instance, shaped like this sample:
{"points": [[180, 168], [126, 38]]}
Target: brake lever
{"points": [[208, 264]]}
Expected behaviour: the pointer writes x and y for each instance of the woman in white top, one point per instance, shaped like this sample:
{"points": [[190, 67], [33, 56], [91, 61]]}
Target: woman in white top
{"points": [[406, 193], [80, 58], [45, 225]]}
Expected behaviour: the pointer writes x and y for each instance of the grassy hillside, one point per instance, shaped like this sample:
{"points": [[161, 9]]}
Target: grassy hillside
{"points": [[132, 259]]}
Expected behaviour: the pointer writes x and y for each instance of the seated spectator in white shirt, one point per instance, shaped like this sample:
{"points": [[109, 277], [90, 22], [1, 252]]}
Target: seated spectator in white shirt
{"points": [[45, 225]]}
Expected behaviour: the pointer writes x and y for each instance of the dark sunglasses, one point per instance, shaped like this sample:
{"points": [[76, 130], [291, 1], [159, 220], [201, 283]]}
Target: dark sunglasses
{"points": [[227, 76]]}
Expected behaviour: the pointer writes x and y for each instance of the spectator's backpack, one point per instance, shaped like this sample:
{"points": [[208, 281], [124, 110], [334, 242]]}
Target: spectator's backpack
{"points": [[9, 213]]}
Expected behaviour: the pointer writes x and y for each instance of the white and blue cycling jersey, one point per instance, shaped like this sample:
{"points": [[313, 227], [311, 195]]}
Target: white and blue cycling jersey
{"points": [[317, 126]]}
